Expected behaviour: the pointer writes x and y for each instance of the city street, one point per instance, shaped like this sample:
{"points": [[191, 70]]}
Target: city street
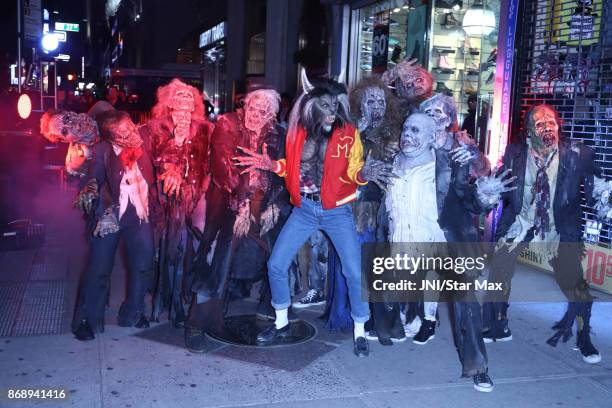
{"points": [[137, 368]]}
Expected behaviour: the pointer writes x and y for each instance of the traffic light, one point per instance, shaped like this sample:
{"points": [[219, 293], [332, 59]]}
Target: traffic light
{"points": [[24, 106]]}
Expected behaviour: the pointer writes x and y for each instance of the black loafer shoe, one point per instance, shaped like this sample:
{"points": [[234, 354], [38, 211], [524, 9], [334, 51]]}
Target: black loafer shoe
{"points": [[84, 332], [272, 335], [143, 323], [361, 347], [195, 339]]}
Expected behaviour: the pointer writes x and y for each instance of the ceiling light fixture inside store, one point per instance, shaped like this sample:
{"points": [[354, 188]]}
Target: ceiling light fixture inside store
{"points": [[457, 5], [478, 20], [397, 10]]}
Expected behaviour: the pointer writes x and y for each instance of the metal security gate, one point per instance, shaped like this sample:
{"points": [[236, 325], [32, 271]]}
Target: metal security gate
{"points": [[565, 60]]}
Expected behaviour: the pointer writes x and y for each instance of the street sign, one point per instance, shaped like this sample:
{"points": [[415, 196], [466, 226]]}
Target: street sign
{"points": [[61, 35], [32, 20], [63, 57], [74, 27]]}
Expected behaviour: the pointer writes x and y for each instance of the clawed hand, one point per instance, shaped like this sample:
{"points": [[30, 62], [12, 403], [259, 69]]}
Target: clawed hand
{"points": [[466, 151], [107, 224], [489, 189], [253, 160], [171, 181], [86, 197], [377, 172]]}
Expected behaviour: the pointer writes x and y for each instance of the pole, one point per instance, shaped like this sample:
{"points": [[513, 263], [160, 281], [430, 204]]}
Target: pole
{"points": [[19, 67]]}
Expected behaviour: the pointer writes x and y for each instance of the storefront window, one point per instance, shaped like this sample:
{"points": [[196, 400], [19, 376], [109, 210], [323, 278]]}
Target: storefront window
{"points": [[213, 74], [456, 40], [462, 59]]}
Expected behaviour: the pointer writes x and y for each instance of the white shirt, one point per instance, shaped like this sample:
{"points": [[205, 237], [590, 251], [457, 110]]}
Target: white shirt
{"points": [[133, 189], [412, 206]]}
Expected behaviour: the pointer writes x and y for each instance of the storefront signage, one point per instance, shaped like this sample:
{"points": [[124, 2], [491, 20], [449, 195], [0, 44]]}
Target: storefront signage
{"points": [[380, 42], [596, 264], [67, 27], [212, 35], [32, 19]]}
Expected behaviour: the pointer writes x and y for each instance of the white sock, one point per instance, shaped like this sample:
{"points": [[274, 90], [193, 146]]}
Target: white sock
{"points": [[359, 330], [430, 311], [281, 318]]}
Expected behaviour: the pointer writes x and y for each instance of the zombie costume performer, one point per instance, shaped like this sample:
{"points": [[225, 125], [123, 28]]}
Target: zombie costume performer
{"points": [[323, 167], [412, 84], [180, 138], [122, 162], [427, 204], [243, 209], [451, 146], [546, 209], [378, 115]]}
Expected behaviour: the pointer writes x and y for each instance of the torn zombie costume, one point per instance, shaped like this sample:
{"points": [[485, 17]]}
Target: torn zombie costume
{"points": [[323, 168], [546, 209], [427, 203], [179, 135], [450, 146], [244, 209], [377, 112], [412, 84], [122, 162]]}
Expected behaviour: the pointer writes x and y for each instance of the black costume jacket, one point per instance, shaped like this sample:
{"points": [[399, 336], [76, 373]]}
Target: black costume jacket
{"points": [[576, 167]]}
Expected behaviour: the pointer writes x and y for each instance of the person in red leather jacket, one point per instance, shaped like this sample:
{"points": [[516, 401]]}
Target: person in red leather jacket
{"points": [[323, 168]]}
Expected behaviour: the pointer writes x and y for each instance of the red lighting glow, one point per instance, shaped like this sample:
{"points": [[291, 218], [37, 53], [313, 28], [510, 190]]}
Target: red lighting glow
{"points": [[24, 106]]}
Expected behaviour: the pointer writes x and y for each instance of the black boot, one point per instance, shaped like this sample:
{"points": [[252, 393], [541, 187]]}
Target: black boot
{"points": [[195, 339], [84, 332], [589, 353]]}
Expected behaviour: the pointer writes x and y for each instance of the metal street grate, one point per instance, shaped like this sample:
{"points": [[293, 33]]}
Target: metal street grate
{"points": [[11, 295], [42, 309]]}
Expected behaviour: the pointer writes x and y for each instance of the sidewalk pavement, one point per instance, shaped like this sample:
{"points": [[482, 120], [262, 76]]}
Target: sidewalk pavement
{"points": [[150, 368]]}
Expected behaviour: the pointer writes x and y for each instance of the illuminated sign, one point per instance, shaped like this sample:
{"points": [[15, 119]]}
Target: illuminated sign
{"points": [[61, 35], [214, 34], [63, 57], [67, 27]]}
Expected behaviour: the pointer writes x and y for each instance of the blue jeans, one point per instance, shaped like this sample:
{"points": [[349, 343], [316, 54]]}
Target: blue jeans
{"points": [[339, 226]]}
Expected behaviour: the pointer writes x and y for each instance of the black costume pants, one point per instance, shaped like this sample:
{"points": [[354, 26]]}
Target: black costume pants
{"points": [[95, 283]]}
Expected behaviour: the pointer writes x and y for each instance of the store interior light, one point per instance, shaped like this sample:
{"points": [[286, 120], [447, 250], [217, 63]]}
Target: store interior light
{"points": [[457, 5], [397, 10], [478, 20]]}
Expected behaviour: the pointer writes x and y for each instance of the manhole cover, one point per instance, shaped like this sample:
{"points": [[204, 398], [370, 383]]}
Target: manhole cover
{"points": [[242, 330]]}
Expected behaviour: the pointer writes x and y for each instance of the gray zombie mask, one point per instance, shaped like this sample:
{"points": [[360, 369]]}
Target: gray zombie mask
{"points": [[71, 127], [543, 130], [418, 135], [325, 109], [442, 109], [373, 105]]}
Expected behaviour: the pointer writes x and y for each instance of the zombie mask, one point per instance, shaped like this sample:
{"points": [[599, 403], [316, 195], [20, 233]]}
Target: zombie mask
{"points": [[411, 81], [442, 109], [118, 128], [182, 100], [418, 135], [543, 128], [259, 110], [69, 127], [373, 105]]}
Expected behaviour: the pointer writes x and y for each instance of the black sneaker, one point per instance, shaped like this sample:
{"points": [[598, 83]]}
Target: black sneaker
{"points": [[314, 297], [482, 382], [272, 335], [589, 353], [491, 336], [195, 339], [426, 332], [373, 335], [361, 347], [84, 331]]}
